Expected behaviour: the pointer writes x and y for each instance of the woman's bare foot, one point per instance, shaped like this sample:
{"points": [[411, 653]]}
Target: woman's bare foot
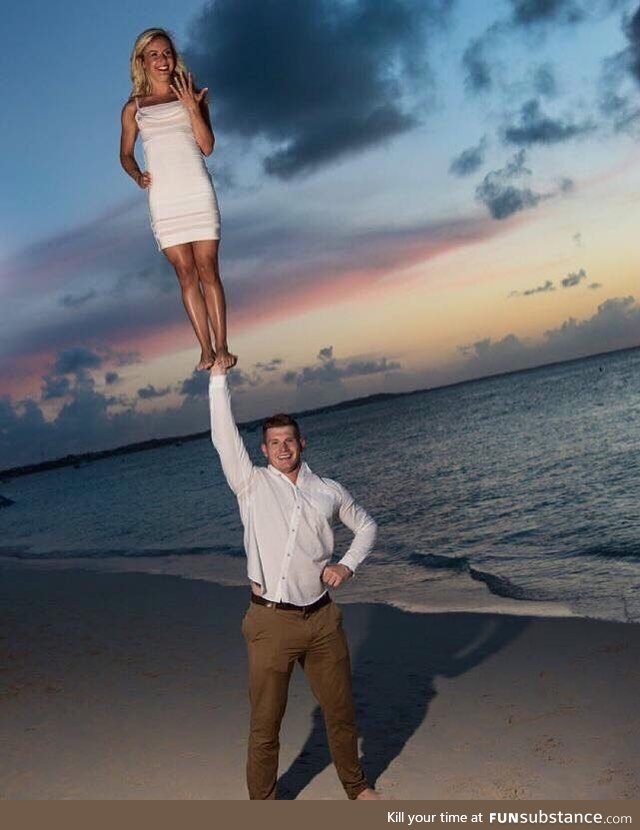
{"points": [[225, 359], [207, 359]]}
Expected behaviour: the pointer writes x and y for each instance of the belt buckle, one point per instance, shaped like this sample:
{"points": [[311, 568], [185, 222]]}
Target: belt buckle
{"points": [[271, 604]]}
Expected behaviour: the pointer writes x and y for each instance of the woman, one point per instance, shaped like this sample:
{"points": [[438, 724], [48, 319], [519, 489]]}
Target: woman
{"points": [[173, 120]]}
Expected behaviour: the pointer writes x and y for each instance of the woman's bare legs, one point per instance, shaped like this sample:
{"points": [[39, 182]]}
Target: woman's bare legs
{"points": [[205, 254], [182, 259]]}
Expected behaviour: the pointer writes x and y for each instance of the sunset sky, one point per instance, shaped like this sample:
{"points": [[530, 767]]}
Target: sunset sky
{"points": [[412, 193]]}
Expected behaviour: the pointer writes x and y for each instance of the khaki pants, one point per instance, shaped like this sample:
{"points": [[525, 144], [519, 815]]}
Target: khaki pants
{"points": [[276, 639]]}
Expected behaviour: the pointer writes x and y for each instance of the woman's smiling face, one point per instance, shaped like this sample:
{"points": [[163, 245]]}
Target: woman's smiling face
{"points": [[159, 60]]}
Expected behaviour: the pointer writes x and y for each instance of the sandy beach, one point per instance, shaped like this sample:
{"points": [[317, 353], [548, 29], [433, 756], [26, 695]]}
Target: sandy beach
{"points": [[133, 686]]}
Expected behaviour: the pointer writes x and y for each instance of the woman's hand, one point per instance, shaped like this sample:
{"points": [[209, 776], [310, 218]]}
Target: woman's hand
{"points": [[143, 179], [184, 92]]}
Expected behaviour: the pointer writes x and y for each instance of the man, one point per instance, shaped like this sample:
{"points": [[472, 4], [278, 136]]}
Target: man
{"points": [[287, 512]]}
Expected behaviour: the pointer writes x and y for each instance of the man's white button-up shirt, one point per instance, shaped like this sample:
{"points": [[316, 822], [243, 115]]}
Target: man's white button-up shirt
{"points": [[288, 528]]}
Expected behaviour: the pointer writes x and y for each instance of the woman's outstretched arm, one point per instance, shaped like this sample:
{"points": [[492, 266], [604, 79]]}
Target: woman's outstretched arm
{"points": [[127, 143]]}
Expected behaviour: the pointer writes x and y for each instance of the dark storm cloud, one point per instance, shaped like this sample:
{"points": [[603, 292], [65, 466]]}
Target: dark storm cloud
{"points": [[319, 80], [111, 377], [329, 370], [149, 392], [537, 128], [540, 289], [469, 160], [574, 279]]}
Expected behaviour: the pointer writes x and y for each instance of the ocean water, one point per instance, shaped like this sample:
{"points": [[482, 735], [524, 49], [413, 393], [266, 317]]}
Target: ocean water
{"points": [[523, 488]]}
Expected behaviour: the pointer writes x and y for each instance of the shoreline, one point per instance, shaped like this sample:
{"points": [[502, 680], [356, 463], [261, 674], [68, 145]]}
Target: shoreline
{"points": [[443, 591], [133, 685]]}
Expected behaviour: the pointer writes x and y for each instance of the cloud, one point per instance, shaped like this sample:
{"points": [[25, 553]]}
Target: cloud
{"points": [[594, 285], [571, 280], [528, 13], [544, 81], [271, 366], [329, 370], [76, 300], [149, 392], [615, 325], [469, 160], [483, 70], [534, 12], [320, 80], [540, 289], [478, 68], [86, 422], [76, 360], [632, 32], [311, 265], [537, 128], [55, 387], [501, 197], [574, 279], [111, 378], [196, 385]]}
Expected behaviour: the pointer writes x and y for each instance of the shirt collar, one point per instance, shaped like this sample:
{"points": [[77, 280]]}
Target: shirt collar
{"points": [[303, 473]]}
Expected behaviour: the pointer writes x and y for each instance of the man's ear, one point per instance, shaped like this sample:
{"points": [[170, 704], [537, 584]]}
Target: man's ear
{"points": [[303, 443], [263, 447]]}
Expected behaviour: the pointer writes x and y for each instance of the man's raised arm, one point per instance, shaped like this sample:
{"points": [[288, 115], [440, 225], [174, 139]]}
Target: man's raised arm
{"points": [[234, 458]]}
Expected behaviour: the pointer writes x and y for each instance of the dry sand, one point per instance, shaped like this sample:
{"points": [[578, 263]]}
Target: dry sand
{"points": [[128, 685]]}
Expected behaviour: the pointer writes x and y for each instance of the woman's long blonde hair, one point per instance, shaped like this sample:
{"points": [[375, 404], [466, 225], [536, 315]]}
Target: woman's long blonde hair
{"points": [[139, 78]]}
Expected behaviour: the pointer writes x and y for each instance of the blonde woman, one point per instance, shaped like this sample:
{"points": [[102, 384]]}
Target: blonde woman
{"points": [[172, 117]]}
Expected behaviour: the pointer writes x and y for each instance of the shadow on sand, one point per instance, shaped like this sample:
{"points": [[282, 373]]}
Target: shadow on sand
{"points": [[394, 672]]}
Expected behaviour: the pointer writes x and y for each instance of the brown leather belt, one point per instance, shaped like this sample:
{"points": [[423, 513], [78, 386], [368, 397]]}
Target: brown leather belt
{"points": [[288, 606]]}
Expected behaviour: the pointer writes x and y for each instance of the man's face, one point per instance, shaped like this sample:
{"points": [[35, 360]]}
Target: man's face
{"points": [[283, 449]]}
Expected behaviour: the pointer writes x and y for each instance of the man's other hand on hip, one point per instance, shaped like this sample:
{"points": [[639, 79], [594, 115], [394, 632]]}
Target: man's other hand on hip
{"points": [[335, 575]]}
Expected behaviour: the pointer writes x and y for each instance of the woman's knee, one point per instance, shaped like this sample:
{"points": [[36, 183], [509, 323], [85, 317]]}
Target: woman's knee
{"points": [[186, 273], [208, 271]]}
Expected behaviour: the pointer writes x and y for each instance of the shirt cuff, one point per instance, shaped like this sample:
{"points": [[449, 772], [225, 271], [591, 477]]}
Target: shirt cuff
{"points": [[217, 381], [348, 563]]}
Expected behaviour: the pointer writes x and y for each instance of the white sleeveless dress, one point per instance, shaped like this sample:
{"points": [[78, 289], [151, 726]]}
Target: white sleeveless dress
{"points": [[183, 205]]}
